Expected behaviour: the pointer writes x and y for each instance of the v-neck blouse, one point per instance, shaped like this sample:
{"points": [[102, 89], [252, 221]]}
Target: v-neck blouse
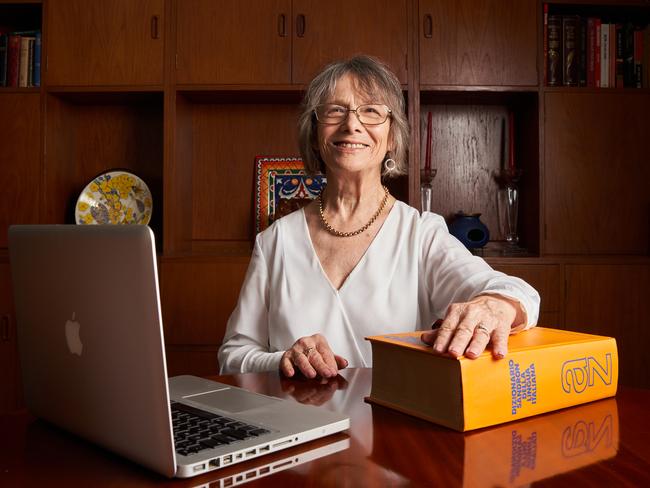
{"points": [[407, 278]]}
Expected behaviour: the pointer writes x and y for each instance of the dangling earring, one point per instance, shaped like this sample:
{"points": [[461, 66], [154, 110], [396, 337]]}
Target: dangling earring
{"points": [[389, 165]]}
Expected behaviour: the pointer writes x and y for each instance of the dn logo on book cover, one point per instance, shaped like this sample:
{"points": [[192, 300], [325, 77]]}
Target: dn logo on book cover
{"points": [[578, 374]]}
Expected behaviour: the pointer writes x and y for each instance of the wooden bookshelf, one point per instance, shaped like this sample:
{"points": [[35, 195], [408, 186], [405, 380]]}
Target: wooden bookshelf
{"points": [[186, 94]]}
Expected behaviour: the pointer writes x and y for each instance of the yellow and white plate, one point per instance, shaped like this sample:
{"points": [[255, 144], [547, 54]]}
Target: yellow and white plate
{"points": [[116, 197]]}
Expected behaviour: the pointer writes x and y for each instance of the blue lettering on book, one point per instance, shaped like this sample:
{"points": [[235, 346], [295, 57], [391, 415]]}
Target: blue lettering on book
{"points": [[524, 454], [523, 385], [578, 374]]}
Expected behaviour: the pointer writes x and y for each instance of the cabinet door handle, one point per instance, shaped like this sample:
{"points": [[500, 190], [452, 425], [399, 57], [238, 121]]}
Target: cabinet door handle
{"points": [[154, 27], [300, 25], [4, 328], [282, 25], [428, 26]]}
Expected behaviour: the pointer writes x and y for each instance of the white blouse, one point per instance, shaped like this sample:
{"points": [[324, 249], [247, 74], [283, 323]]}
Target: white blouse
{"points": [[410, 274]]}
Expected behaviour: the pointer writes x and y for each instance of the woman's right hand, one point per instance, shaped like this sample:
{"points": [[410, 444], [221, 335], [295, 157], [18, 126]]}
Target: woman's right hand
{"points": [[312, 357]]}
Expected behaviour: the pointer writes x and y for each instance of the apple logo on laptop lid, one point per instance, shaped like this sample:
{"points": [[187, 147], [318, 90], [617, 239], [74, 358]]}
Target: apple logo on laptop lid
{"points": [[72, 336]]}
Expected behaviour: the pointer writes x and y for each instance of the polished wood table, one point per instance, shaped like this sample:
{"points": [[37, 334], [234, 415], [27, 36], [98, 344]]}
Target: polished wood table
{"points": [[605, 443]]}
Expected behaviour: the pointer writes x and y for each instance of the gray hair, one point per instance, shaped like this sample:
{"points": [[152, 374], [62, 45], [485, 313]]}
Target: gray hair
{"points": [[372, 76]]}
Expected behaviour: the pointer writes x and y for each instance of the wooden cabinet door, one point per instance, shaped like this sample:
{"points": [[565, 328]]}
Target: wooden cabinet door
{"points": [[478, 42], [105, 42], [596, 173], [336, 29], [234, 41], [612, 300], [20, 145], [198, 297], [10, 396], [547, 280]]}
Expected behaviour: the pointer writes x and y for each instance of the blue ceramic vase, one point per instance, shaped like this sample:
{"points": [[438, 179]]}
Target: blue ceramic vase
{"points": [[469, 230]]}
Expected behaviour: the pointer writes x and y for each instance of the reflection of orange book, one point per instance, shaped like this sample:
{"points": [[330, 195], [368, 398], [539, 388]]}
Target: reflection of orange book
{"points": [[542, 447], [545, 370]]}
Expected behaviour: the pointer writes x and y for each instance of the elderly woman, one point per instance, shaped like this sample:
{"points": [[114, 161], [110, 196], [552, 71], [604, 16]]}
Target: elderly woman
{"points": [[357, 262]]}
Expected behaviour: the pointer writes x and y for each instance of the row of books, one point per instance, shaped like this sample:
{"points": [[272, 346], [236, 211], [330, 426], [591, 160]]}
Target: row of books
{"points": [[20, 58], [594, 52]]}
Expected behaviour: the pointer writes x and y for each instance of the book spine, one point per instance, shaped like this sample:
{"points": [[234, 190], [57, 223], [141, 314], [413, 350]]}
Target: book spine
{"points": [[4, 40], [612, 56], [24, 62], [13, 60], [582, 51], [554, 67], [604, 55], [545, 41], [646, 57], [30, 63], [591, 51], [597, 79], [628, 55], [531, 382], [37, 59], [569, 50], [638, 58], [620, 56]]}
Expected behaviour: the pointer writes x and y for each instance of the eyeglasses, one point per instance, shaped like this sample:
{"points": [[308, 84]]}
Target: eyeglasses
{"points": [[371, 114]]}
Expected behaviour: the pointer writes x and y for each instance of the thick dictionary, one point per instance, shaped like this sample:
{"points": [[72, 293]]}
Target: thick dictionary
{"points": [[545, 370]]}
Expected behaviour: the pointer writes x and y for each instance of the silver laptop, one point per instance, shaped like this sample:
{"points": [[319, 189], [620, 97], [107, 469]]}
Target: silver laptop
{"points": [[93, 360]]}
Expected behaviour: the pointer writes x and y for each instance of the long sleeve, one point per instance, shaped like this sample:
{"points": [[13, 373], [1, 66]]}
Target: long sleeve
{"points": [[245, 346], [452, 274]]}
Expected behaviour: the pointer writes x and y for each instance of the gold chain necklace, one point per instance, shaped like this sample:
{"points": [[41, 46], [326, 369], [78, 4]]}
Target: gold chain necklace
{"points": [[338, 233]]}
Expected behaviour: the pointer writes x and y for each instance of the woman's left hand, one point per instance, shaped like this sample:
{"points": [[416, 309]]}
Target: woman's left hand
{"points": [[469, 327]]}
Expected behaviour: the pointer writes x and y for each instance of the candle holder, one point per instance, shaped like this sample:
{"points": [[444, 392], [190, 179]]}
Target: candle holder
{"points": [[509, 188], [426, 187]]}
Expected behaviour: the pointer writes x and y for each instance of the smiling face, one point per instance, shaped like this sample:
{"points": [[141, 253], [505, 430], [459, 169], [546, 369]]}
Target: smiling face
{"points": [[351, 146]]}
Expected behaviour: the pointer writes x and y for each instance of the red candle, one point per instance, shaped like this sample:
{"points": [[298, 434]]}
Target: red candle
{"points": [[427, 159], [511, 142]]}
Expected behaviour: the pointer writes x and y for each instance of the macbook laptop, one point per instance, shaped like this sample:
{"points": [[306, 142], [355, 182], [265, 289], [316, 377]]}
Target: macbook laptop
{"points": [[92, 356]]}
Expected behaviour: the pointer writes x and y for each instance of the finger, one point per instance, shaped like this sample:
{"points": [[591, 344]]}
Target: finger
{"points": [[429, 336], [479, 341], [328, 357], [341, 362], [319, 364], [500, 341], [303, 364], [447, 328], [286, 368], [462, 336]]}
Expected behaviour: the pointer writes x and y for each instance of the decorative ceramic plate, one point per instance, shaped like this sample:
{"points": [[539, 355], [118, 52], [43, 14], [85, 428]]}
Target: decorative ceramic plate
{"points": [[116, 197], [281, 187]]}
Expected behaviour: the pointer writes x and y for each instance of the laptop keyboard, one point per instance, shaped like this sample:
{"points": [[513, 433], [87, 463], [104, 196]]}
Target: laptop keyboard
{"points": [[197, 430]]}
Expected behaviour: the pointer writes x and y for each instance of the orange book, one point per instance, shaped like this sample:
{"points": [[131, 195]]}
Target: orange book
{"points": [[545, 369]]}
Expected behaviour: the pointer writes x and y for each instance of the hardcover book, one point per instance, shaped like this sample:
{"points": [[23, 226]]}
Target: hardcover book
{"points": [[554, 55], [570, 50], [545, 369]]}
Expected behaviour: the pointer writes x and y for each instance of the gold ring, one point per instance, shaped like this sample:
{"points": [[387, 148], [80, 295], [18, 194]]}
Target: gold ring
{"points": [[308, 351], [483, 328]]}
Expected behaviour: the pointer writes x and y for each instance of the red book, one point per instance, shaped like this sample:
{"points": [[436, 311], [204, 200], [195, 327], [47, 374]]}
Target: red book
{"points": [[591, 51], [13, 60], [597, 24]]}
